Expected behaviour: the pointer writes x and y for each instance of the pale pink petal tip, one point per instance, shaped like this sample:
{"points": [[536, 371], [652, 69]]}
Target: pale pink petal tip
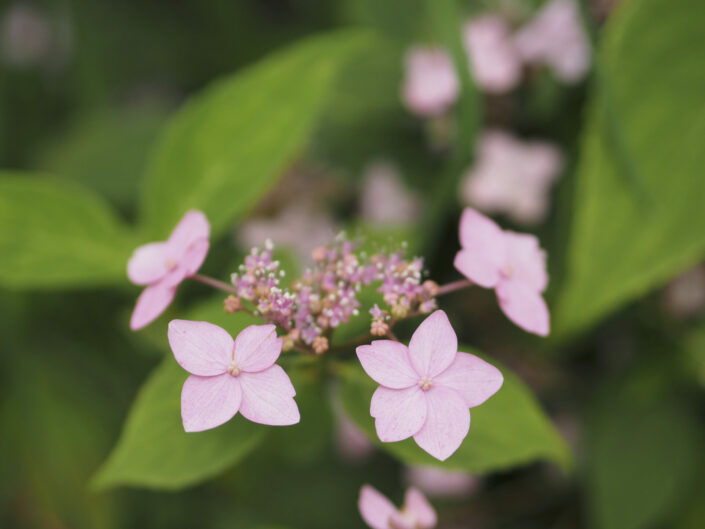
{"points": [[379, 513], [151, 303]]}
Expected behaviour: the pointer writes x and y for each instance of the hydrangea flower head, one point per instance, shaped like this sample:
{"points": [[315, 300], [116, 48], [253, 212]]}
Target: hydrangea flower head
{"points": [[426, 388], [229, 375], [512, 176], [556, 38], [511, 263], [430, 84], [495, 63], [162, 266], [379, 513]]}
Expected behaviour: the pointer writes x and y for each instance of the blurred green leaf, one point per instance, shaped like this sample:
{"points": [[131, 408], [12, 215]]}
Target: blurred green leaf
{"points": [[57, 234], [228, 145], [154, 451], [106, 151], [638, 202], [510, 429], [642, 456]]}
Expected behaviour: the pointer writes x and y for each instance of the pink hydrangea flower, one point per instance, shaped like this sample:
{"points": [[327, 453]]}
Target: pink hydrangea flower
{"points": [[512, 177], [511, 263], [556, 37], [426, 388], [379, 513], [430, 84], [495, 63], [229, 375], [162, 266]]}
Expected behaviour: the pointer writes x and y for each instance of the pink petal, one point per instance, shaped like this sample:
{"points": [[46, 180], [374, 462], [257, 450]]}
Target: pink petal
{"points": [[200, 347], [207, 402], [387, 363], [398, 413], [194, 256], [526, 260], [472, 378], [430, 84], [257, 347], [417, 504], [524, 306], [150, 304], [267, 397], [374, 508], [496, 64], [433, 345], [447, 423], [483, 253], [147, 264], [192, 227]]}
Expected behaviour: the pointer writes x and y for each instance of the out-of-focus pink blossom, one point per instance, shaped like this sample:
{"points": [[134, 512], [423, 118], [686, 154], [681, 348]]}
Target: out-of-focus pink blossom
{"points": [[495, 63], [511, 263], [352, 443], [685, 295], [438, 483], [162, 266], [229, 375], [426, 388], [385, 199], [379, 513], [556, 37], [299, 227], [512, 176], [430, 84]]}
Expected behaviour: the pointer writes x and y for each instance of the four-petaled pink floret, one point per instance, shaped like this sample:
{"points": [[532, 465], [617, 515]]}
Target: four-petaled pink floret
{"points": [[427, 387], [512, 263], [162, 266], [229, 375], [380, 513]]}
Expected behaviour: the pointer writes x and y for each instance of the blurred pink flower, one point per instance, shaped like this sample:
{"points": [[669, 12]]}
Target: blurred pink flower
{"points": [[556, 37], [229, 375], [495, 63], [438, 483], [427, 387], [299, 227], [685, 295], [430, 84], [512, 176], [385, 199], [162, 266], [511, 263], [379, 513], [352, 444]]}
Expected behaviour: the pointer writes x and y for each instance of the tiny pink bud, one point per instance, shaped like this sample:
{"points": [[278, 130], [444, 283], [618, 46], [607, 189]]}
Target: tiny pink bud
{"points": [[232, 304], [320, 345], [431, 288], [379, 328], [319, 254]]}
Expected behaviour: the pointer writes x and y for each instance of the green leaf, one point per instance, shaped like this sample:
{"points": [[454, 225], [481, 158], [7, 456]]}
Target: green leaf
{"points": [[641, 459], [56, 234], [510, 429], [638, 215], [228, 145], [154, 451]]}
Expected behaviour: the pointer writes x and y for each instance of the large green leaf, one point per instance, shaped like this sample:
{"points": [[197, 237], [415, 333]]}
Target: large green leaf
{"points": [[228, 145], [510, 429], [57, 234], [642, 459], [638, 215], [154, 450]]}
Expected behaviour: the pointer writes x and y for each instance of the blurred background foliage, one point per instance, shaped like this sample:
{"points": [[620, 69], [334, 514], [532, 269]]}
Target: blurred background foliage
{"points": [[115, 117]]}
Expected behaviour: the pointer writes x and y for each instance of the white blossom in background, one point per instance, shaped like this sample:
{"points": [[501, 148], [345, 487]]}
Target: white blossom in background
{"points": [[299, 227], [385, 199], [494, 60], [685, 295], [28, 37], [430, 85], [556, 37], [438, 483], [512, 176]]}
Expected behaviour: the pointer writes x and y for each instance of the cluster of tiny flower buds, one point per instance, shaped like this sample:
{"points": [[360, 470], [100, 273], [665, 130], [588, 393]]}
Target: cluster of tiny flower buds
{"points": [[326, 295]]}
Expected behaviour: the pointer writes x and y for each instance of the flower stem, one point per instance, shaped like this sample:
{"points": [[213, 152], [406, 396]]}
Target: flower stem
{"points": [[214, 283], [455, 285]]}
